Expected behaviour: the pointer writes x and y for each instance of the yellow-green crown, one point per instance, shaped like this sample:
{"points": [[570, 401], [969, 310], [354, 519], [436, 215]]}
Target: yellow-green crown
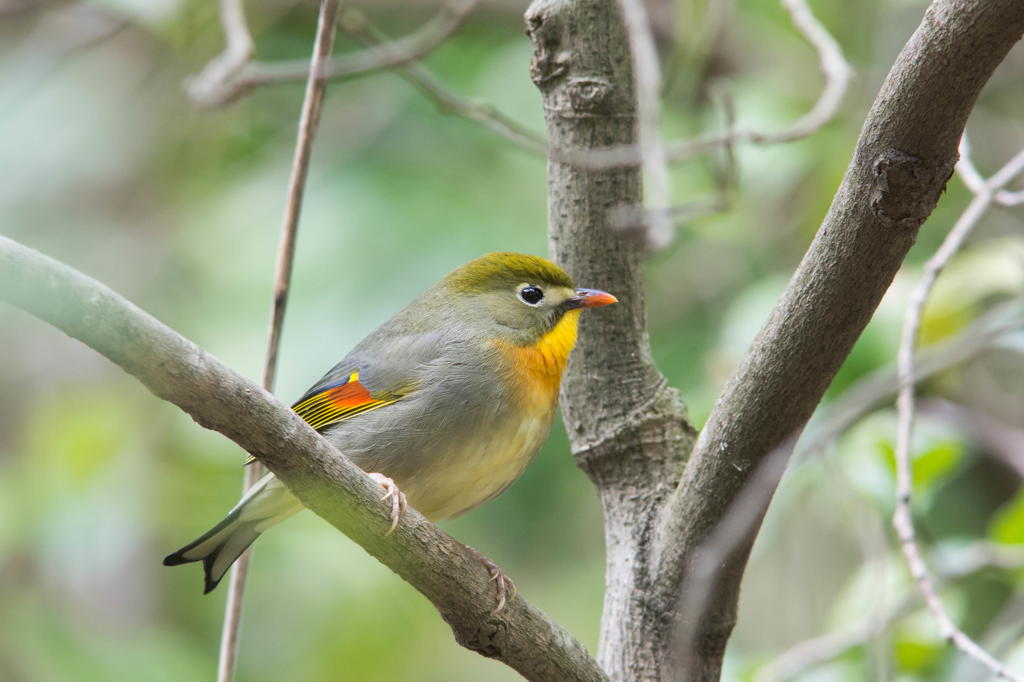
{"points": [[506, 269]]}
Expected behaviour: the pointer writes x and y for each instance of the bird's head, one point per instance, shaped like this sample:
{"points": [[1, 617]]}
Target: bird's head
{"points": [[521, 298]]}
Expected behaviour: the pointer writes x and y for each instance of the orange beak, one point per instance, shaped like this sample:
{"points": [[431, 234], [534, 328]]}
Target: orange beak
{"points": [[591, 298]]}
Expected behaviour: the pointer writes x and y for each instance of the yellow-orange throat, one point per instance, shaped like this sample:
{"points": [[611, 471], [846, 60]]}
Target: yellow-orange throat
{"points": [[539, 367]]}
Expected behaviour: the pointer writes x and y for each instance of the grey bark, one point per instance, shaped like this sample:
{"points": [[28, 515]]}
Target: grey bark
{"points": [[629, 431], [216, 397]]}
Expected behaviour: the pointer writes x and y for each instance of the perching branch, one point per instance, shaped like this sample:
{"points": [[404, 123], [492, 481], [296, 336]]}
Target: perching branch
{"points": [[902, 520], [216, 397], [217, 86], [309, 119], [906, 153]]}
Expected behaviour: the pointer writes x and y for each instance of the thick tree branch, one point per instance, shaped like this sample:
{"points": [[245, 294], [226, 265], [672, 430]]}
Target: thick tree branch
{"points": [[906, 153], [216, 397], [628, 429]]}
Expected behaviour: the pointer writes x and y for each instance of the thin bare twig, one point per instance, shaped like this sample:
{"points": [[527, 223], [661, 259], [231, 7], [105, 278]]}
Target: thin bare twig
{"points": [[308, 121], [634, 217], [206, 86], [968, 172], [654, 165], [834, 66], [400, 51], [817, 650], [858, 400], [446, 100], [985, 196]]}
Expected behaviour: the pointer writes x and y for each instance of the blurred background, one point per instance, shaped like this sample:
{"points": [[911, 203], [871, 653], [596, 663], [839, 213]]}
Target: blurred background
{"points": [[108, 166]]}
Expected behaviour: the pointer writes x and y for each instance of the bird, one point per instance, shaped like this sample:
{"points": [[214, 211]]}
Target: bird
{"points": [[444, 404]]}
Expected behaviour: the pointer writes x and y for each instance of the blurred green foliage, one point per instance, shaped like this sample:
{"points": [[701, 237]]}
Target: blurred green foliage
{"points": [[108, 167]]}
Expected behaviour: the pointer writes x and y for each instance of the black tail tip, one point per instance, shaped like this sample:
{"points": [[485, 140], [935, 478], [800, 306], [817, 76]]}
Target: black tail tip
{"points": [[208, 580], [176, 559], [209, 583]]}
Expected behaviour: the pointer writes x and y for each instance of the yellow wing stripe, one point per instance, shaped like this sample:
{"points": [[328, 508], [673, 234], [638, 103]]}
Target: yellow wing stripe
{"points": [[338, 402]]}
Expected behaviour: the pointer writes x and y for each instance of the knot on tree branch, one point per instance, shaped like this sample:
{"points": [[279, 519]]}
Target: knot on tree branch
{"points": [[489, 639], [549, 60], [906, 187], [577, 85], [648, 444], [589, 95]]}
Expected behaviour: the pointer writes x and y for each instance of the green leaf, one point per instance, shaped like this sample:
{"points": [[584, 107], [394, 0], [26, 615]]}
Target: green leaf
{"points": [[1008, 524]]}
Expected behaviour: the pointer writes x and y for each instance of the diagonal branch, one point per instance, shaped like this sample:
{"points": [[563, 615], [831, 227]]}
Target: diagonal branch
{"points": [[176, 370], [905, 155]]}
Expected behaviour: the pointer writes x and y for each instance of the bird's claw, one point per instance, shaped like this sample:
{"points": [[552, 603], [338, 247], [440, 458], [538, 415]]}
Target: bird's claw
{"points": [[506, 589], [397, 497]]}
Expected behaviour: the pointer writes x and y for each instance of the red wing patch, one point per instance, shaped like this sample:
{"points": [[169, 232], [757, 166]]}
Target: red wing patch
{"points": [[337, 402]]}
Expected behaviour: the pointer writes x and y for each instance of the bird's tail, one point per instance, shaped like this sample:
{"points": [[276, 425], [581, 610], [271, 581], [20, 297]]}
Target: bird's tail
{"points": [[266, 504]]}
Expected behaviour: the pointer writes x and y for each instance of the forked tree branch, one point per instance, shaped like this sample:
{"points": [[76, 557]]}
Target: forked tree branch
{"points": [[628, 431], [216, 397], [207, 86]]}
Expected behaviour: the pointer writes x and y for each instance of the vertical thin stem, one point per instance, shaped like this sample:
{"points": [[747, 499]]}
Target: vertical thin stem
{"points": [[315, 87], [653, 162]]}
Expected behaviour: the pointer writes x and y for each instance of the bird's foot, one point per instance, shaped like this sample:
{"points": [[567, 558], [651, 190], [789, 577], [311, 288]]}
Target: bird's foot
{"points": [[397, 497], [506, 589]]}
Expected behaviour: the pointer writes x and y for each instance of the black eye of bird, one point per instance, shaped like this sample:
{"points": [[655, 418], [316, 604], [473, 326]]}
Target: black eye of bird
{"points": [[531, 295]]}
